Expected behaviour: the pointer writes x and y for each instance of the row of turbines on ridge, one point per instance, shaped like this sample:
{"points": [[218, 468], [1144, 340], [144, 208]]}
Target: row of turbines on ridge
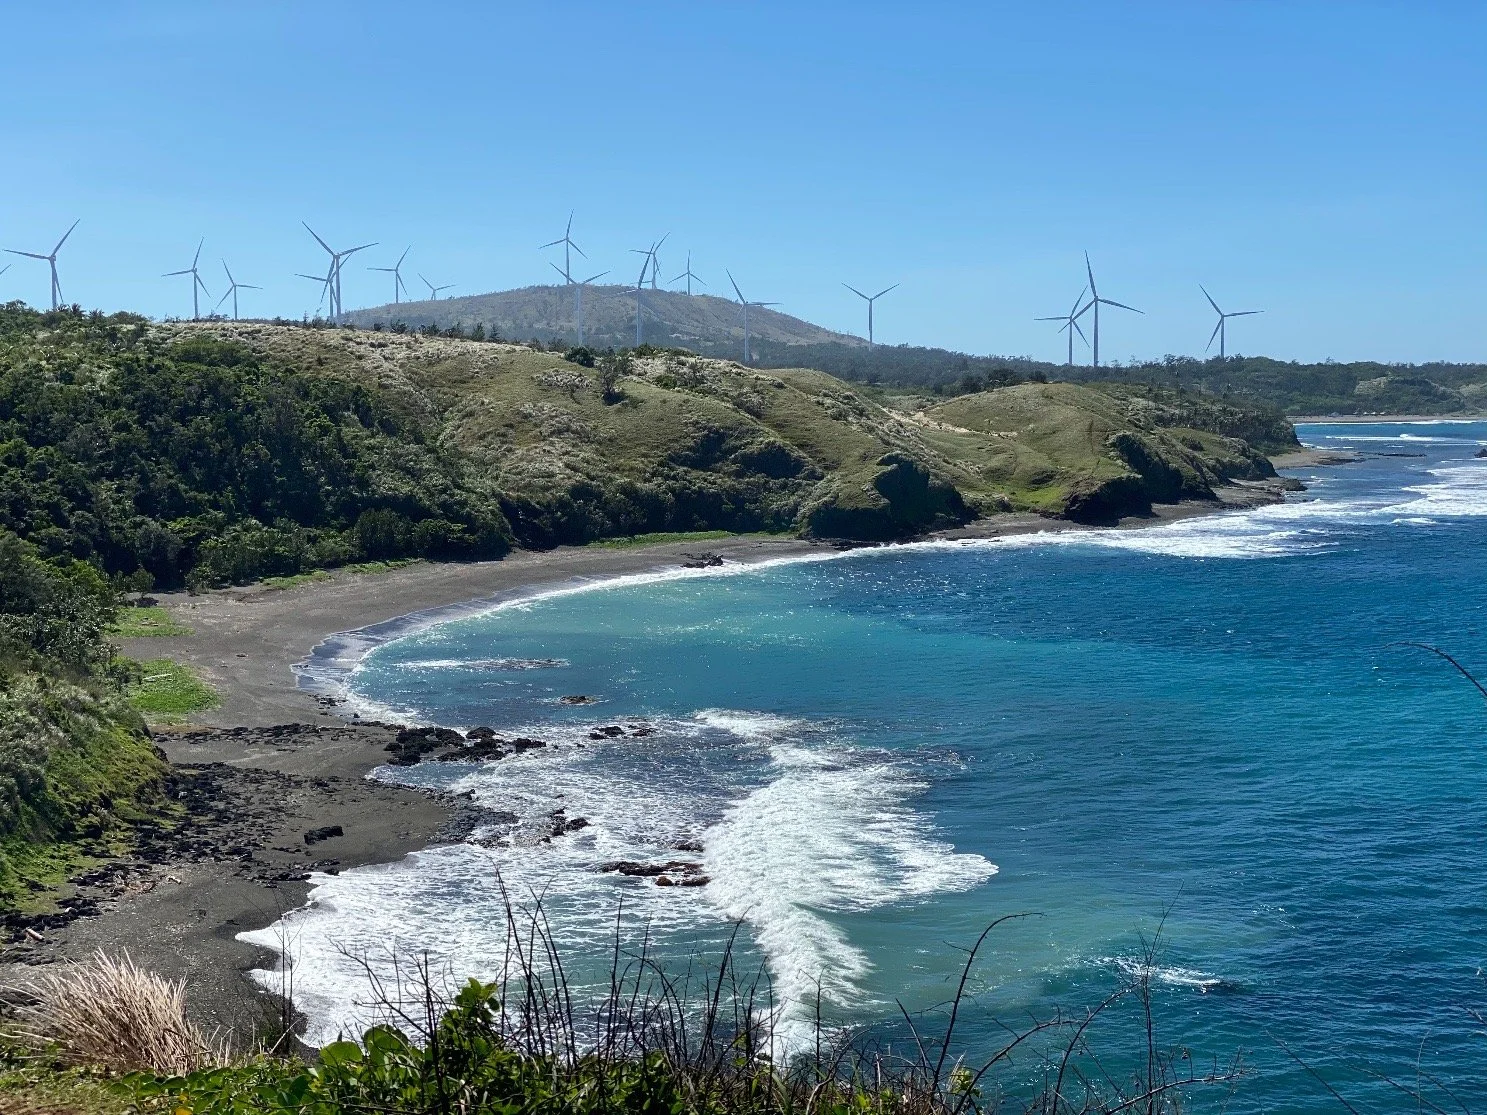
{"points": [[650, 267]]}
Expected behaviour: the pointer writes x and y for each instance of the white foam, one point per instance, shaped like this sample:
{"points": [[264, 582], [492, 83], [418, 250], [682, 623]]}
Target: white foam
{"points": [[833, 832], [815, 827], [1457, 491]]}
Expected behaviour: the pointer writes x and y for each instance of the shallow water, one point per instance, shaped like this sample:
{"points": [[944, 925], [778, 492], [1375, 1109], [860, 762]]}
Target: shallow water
{"points": [[1198, 732]]}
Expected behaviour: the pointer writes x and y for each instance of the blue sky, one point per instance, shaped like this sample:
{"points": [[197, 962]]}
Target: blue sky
{"points": [[1323, 161]]}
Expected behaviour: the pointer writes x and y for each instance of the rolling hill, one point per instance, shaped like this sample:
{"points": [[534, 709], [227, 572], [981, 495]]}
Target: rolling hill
{"points": [[702, 323]]}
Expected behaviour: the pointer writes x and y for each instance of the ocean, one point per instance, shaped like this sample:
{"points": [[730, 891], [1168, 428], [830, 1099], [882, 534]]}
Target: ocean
{"points": [[1197, 746]]}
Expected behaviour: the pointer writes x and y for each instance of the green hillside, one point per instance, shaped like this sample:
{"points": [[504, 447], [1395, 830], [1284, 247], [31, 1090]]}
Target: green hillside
{"points": [[220, 452]]}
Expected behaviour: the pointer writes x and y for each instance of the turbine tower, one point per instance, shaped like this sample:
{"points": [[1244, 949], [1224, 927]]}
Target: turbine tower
{"points": [[52, 260], [578, 285], [869, 302], [196, 283], [399, 287], [1219, 330], [1071, 322], [568, 247], [434, 290], [639, 291], [1096, 301], [334, 277], [688, 275], [233, 286], [746, 305]]}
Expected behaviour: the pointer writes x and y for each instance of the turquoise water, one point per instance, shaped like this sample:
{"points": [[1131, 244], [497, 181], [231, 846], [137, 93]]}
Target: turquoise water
{"points": [[1196, 733]]}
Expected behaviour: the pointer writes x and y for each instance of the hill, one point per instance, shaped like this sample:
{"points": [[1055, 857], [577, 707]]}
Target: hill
{"points": [[221, 452], [713, 326], [702, 323]]}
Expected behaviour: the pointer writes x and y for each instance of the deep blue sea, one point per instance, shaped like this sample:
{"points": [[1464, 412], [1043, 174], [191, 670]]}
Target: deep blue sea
{"points": [[1195, 737]]}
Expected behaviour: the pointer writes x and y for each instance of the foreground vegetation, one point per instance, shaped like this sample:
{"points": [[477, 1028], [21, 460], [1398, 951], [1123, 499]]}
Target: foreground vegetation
{"points": [[652, 1042], [77, 769]]}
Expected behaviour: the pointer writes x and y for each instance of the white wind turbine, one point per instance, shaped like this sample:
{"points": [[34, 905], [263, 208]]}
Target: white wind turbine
{"points": [[689, 275], [578, 285], [51, 259], [333, 279], [196, 283], [1096, 301], [396, 270], [434, 290], [233, 286], [1219, 330], [870, 302], [568, 246], [746, 304], [1071, 323]]}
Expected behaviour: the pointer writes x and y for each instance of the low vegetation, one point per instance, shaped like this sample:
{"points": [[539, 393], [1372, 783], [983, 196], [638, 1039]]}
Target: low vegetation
{"points": [[77, 768], [167, 692], [653, 1042], [147, 621]]}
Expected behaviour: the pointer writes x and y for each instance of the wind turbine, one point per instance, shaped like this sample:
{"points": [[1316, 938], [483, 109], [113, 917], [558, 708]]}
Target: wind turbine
{"points": [[746, 305], [398, 286], [1071, 323], [233, 286], [568, 246], [195, 281], [639, 291], [688, 275], [578, 285], [1218, 330], [652, 260], [434, 290], [1096, 301], [334, 278], [325, 285], [51, 259], [869, 302]]}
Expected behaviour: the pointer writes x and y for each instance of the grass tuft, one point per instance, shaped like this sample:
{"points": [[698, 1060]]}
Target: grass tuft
{"points": [[146, 623], [663, 536], [167, 692], [107, 1013]]}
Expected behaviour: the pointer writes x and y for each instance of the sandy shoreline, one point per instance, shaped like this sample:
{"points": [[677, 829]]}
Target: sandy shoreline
{"points": [[275, 761]]}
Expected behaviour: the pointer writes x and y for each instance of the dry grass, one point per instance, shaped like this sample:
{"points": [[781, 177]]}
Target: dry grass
{"points": [[106, 1012]]}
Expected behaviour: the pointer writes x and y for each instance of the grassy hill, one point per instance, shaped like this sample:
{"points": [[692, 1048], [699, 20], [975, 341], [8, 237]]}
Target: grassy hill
{"points": [[701, 322], [714, 327], [220, 452]]}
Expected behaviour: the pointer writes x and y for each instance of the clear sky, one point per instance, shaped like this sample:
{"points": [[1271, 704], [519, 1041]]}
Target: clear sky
{"points": [[1324, 161]]}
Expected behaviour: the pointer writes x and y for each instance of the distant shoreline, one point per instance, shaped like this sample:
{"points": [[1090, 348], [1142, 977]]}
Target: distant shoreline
{"points": [[295, 763], [1367, 419]]}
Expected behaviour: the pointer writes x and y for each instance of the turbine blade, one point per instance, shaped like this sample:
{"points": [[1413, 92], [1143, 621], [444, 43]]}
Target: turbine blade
{"points": [[884, 291], [1121, 305], [201, 284], [734, 281], [172, 274], [1090, 271], [229, 273], [221, 300], [600, 275], [65, 235], [316, 235], [402, 257], [1060, 317], [248, 286], [1084, 311], [30, 255], [577, 249], [197, 256], [1214, 334], [661, 241], [855, 291], [559, 270], [362, 247], [381, 268], [1078, 300], [1076, 325], [550, 244], [1244, 313], [1211, 302]]}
